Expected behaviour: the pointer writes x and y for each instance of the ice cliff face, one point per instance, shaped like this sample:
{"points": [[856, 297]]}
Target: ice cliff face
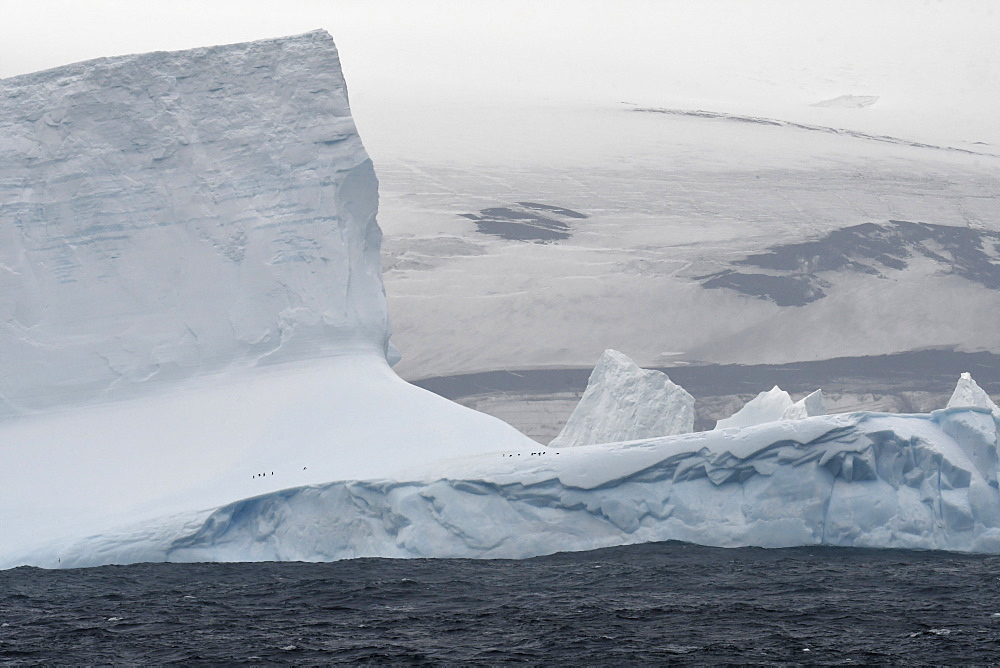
{"points": [[625, 403], [168, 214]]}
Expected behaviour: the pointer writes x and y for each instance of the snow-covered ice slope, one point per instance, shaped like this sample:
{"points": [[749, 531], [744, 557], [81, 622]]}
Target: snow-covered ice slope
{"points": [[866, 479], [191, 305], [625, 403], [213, 441], [170, 214]]}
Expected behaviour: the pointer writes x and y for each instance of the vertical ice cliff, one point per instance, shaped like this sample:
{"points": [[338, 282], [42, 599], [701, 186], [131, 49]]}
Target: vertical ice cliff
{"points": [[968, 394], [166, 214], [625, 403]]}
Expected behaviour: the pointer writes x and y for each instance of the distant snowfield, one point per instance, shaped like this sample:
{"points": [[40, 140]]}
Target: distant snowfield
{"points": [[668, 199]]}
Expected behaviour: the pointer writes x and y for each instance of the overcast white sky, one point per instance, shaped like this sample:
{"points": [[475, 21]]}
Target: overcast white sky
{"points": [[938, 60]]}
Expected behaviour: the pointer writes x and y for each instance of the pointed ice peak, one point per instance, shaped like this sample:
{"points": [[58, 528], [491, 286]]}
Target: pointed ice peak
{"points": [[968, 394], [767, 406], [625, 403], [807, 406]]}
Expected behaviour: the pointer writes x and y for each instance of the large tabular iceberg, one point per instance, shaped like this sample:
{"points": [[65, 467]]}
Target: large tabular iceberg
{"points": [[866, 479], [191, 304], [193, 363]]}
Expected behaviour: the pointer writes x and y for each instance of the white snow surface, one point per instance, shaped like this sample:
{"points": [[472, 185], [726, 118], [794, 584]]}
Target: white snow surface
{"points": [[625, 403], [218, 439], [166, 215], [968, 394], [864, 479]]}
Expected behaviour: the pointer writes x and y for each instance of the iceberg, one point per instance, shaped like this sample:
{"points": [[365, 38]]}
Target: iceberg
{"points": [[773, 405], [625, 403], [968, 394], [195, 363], [191, 303], [808, 406], [864, 479], [765, 407]]}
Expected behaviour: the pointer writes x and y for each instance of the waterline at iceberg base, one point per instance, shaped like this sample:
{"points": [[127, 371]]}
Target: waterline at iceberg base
{"points": [[863, 479]]}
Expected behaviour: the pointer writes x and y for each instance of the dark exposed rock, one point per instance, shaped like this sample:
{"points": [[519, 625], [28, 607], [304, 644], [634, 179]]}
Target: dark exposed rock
{"points": [[869, 248]]}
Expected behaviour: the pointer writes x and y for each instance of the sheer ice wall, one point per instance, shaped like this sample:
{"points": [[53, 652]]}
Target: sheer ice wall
{"points": [[168, 214]]}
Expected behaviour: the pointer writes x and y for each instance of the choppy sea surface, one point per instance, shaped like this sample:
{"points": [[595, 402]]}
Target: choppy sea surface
{"points": [[654, 603]]}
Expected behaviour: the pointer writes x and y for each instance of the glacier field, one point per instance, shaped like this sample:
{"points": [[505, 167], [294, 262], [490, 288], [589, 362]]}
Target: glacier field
{"points": [[195, 356]]}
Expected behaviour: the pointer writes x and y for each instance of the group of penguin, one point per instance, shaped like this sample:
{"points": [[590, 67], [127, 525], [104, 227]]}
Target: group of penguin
{"points": [[262, 475]]}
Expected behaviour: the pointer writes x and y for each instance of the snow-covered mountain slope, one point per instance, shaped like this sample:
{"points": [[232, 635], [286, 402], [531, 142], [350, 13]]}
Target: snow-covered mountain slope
{"points": [[171, 214], [625, 403], [876, 480], [903, 229], [191, 306]]}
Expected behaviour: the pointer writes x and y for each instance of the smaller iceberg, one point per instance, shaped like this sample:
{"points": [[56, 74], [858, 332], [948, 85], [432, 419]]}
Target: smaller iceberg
{"points": [[808, 406], [625, 403], [767, 406], [968, 394], [774, 405]]}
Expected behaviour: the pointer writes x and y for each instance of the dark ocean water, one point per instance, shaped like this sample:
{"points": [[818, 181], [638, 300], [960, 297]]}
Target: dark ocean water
{"points": [[656, 603]]}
